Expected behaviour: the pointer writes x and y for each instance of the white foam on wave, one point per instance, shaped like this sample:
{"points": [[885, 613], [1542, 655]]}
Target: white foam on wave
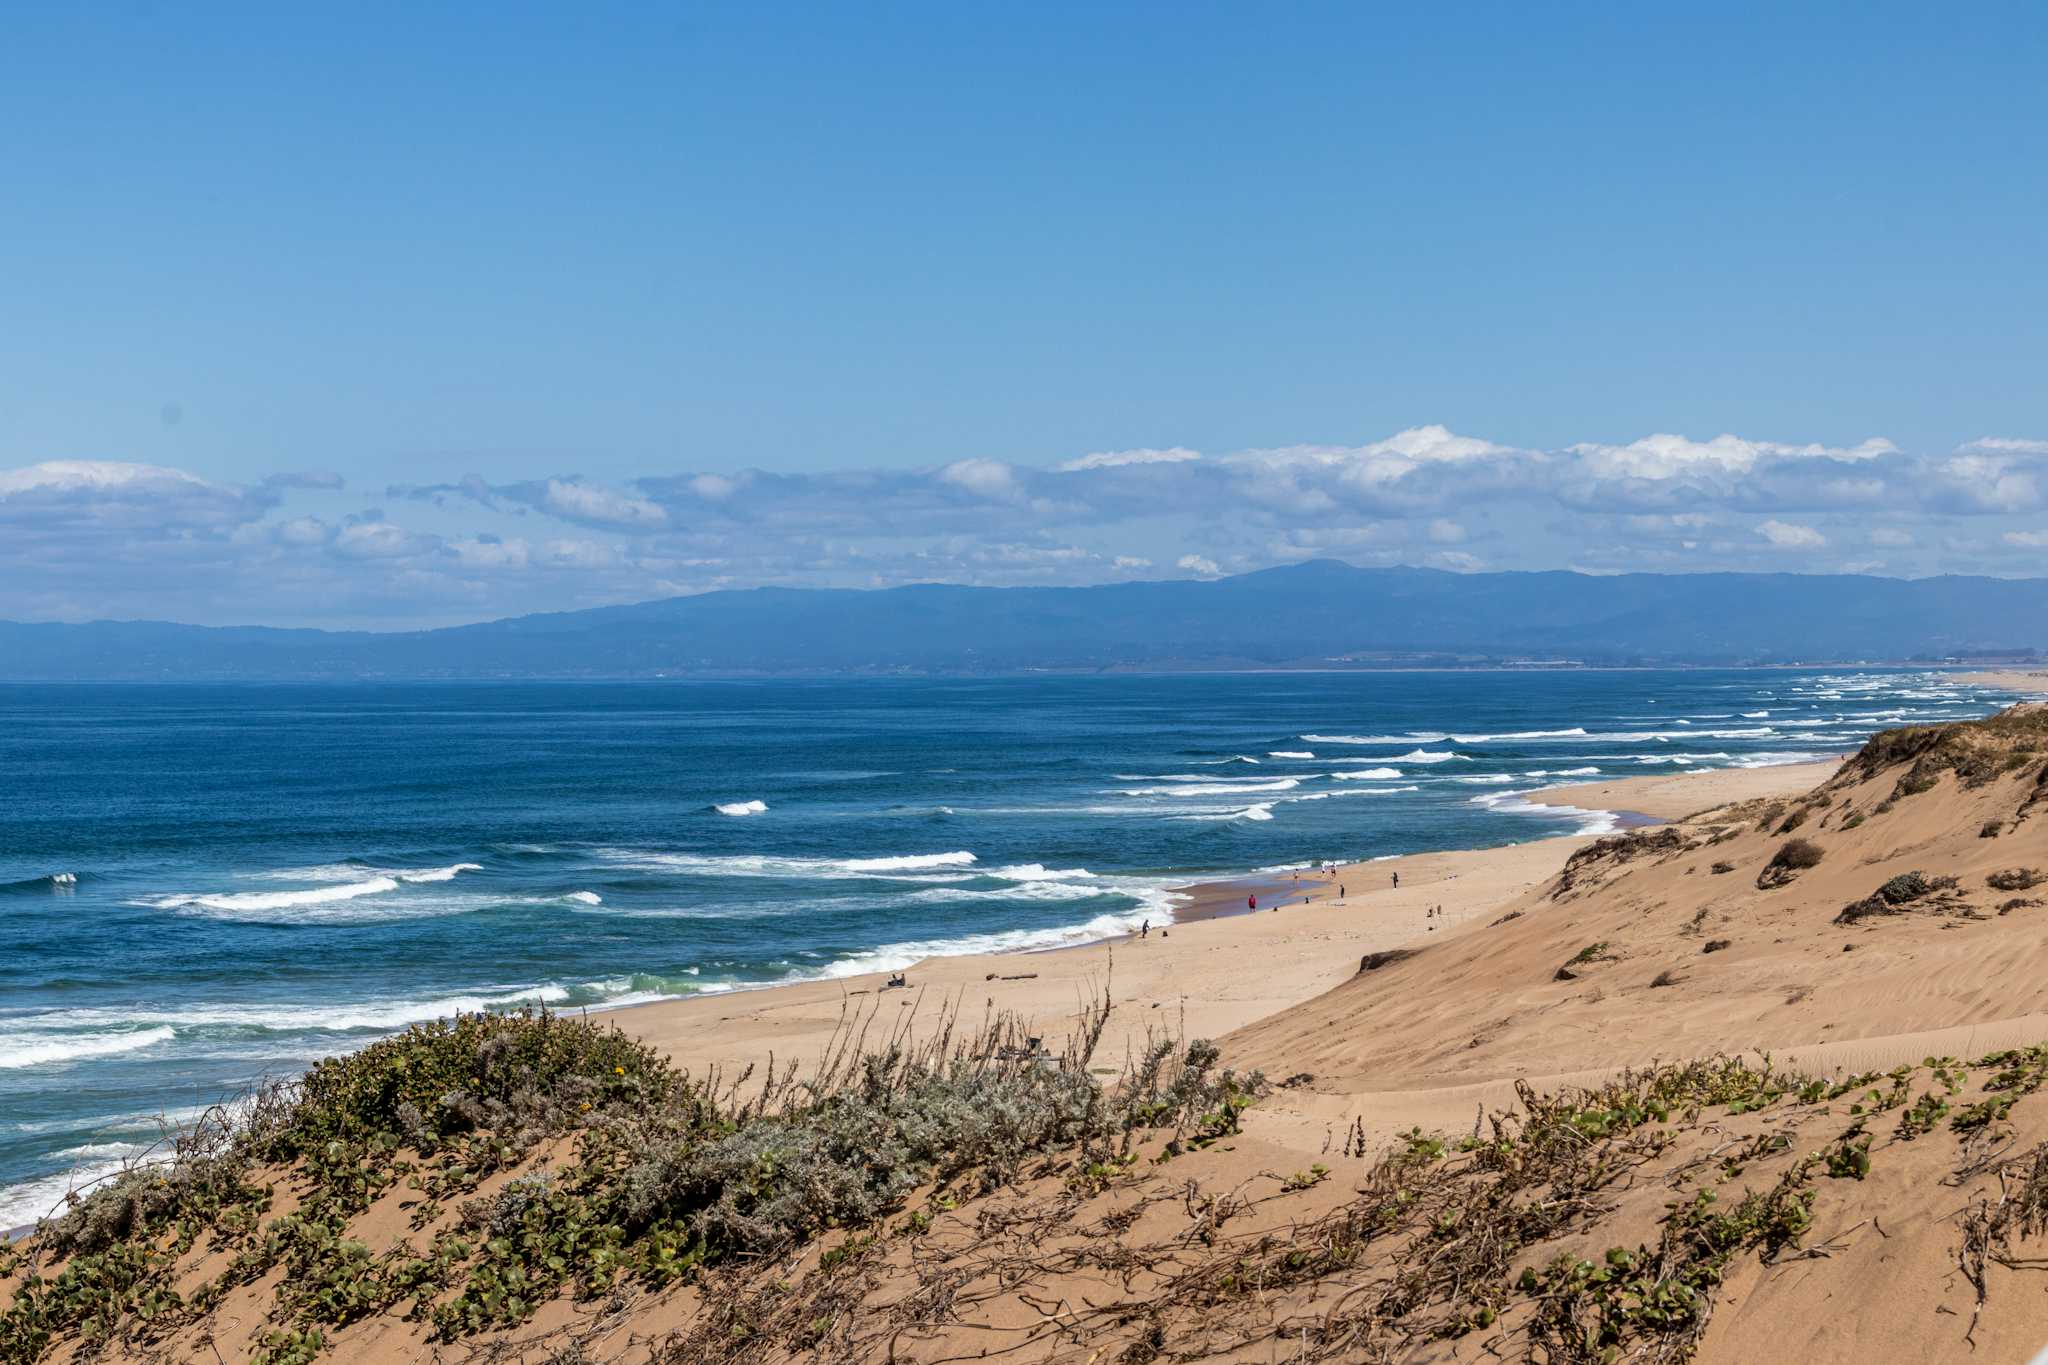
{"points": [[1663, 736], [1366, 774], [1035, 872], [1777, 759], [1755, 715], [1576, 732], [1418, 737], [770, 865], [1490, 780], [357, 873], [1355, 791], [63, 879], [1023, 891], [232, 901], [1552, 772], [1234, 758], [31, 1200], [1431, 756], [100, 1151], [894, 957], [584, 898], [741, 807], [1218, 788], [1517, 803], [436, 874], [1262, 811], [380, 882], [156, 1122], [1289, 753], [19, 1050], [165, 1023]]}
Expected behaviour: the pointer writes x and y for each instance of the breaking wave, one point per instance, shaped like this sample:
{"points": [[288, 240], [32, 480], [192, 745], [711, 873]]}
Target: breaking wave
{"points": [[1218, 788], [232, 901], [1517, 803], [741, 807], [18, 1050], [768, 865], [1419, 737]]}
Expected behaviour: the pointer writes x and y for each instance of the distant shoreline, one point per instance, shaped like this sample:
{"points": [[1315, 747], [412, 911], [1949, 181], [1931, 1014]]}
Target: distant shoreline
{"points": [[2012, 679], [2016, 679]]}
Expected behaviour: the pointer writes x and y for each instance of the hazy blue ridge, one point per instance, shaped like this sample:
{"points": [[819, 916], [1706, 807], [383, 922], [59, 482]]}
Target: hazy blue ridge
{"points": [[1300, 614]]}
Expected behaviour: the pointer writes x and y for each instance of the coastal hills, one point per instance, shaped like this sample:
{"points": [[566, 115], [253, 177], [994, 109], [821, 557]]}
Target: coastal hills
{"points": [[1318, 614], [1765, 1082]]}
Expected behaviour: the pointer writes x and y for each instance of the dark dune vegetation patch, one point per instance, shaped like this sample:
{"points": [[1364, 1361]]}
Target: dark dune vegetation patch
{"points": [[669, 1175]]}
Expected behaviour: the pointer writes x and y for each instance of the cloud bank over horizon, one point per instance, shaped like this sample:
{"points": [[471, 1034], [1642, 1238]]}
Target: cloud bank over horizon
{"points": [[83, 539]]}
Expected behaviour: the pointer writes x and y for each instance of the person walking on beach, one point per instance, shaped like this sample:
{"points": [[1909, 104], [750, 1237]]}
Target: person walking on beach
{"points": [[1145, 929], [1397, 881], [1252, 901]]}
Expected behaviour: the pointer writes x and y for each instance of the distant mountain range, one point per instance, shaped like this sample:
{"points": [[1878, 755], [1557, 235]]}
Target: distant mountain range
{"points": [[1317, 614]]}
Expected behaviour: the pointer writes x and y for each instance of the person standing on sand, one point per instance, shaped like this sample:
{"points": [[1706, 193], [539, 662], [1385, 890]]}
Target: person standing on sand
{"points": [[1397, 881], [1251, 902]]}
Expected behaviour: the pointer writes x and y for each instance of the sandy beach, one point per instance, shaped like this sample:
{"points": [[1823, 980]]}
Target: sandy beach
{"points": [[1215, 969], [2033, 681], [1673, 796]]}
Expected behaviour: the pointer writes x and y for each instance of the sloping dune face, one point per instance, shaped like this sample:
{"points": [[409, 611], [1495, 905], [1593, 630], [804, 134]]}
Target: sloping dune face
{"points": [[1908, 893]]}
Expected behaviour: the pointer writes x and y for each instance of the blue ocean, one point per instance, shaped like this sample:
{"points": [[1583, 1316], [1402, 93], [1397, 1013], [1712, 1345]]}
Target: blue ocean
{"points": [[201, 886]]}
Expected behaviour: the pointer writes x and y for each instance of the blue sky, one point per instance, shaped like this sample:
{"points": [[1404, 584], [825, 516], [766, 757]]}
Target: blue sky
{"points": [[375, 316]]}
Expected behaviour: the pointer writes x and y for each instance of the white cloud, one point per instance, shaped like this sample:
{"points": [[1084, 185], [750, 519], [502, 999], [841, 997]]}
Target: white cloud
{"points": [[1446, 532], [302, 531], [489, 552], [2027, 540], [94, 476], [580, 501], [1130, 562], [579, 554], [1198, 565], [1791, 536], [1379, 463], [1892, 536], [2008, 445], [1665, 456], [377, 540], [1117, 459], [1993, 482], [118, 497], [990, 479]]}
